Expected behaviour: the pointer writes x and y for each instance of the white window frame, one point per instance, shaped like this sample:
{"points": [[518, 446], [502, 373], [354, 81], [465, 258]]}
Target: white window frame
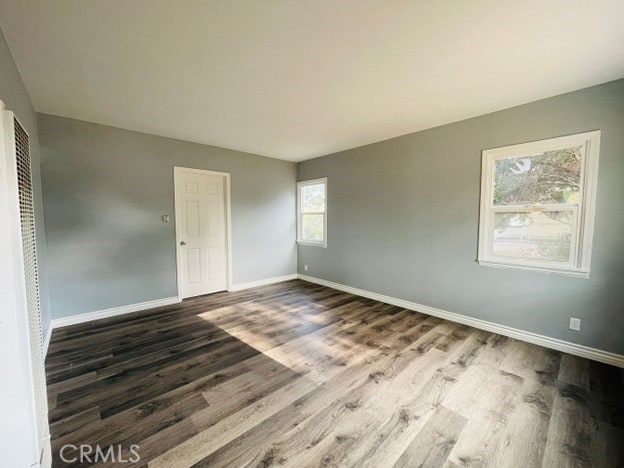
{"points": [[300, 240], [583, 212]]}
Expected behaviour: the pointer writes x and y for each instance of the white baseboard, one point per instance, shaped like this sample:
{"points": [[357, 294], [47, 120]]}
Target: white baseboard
{"points": [[541, 340], [46, 453], [113, 312], [263, 282], [106, 313]]}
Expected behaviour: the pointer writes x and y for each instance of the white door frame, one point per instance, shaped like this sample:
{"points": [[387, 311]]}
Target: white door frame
{"points": [[228, 224]]}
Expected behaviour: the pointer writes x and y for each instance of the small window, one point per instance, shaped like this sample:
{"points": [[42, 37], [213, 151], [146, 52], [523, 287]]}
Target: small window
{"points": [[312, 212], [537, 204]]}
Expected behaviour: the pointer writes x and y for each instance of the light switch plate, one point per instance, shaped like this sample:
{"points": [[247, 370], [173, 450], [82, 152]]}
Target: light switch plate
{"points": [[165, 218]]}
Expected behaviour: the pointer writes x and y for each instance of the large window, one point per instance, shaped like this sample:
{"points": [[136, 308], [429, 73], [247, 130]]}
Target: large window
{"points": [[537, 204], [312, 212]]}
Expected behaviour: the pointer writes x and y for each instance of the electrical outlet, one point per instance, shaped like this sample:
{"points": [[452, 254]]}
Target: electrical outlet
{"points": [[575, 324], [305, 267]]}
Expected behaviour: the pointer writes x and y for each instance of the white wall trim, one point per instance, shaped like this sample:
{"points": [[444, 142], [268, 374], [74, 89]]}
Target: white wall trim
{"points": [[46, 453], [262, 282], [46, 340], [541, 340], [112, 312], [121, 310]]}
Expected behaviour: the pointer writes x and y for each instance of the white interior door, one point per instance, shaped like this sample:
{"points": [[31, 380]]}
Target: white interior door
{"points": [[201, 231], [24, 431]]}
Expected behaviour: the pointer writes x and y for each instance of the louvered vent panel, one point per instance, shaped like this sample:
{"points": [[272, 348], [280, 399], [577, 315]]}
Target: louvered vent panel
{"points": [[27, 217]]}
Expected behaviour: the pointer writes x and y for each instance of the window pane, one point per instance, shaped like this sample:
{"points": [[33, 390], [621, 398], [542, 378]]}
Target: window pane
{"points": [[313, 198], [550, 177], [312, 227], [543, 235]]}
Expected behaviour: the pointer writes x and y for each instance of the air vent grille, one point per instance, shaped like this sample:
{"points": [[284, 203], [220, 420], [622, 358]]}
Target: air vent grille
{"points": [[29, 246]]}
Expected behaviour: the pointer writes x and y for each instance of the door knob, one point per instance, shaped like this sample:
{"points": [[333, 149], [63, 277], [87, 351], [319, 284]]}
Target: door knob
{"points": [[182, 243]]}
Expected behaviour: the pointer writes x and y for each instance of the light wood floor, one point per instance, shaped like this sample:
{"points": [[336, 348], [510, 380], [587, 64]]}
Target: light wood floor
{"points": [[297, 374]]}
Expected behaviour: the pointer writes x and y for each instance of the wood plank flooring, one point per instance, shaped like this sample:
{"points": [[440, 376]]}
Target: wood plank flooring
{"points": [[296, 374]]}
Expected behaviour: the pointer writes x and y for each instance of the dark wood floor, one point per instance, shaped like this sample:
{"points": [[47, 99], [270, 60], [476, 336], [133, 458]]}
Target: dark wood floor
{"points": [[297, 374]]}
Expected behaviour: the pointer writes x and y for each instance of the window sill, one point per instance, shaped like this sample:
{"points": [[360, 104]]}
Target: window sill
{"points": [[315, 244], [566, 272]]}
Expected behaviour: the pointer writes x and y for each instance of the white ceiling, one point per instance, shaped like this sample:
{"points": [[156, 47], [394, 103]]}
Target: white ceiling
{"points": [[296, 79]]}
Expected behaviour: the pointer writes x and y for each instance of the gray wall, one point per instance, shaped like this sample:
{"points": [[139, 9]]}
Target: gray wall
{"points": [[14, 95], [105, 190], [403, 219]]}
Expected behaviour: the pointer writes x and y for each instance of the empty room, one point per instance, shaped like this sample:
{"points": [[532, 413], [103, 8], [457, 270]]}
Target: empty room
{"points": [[300, 233]]}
